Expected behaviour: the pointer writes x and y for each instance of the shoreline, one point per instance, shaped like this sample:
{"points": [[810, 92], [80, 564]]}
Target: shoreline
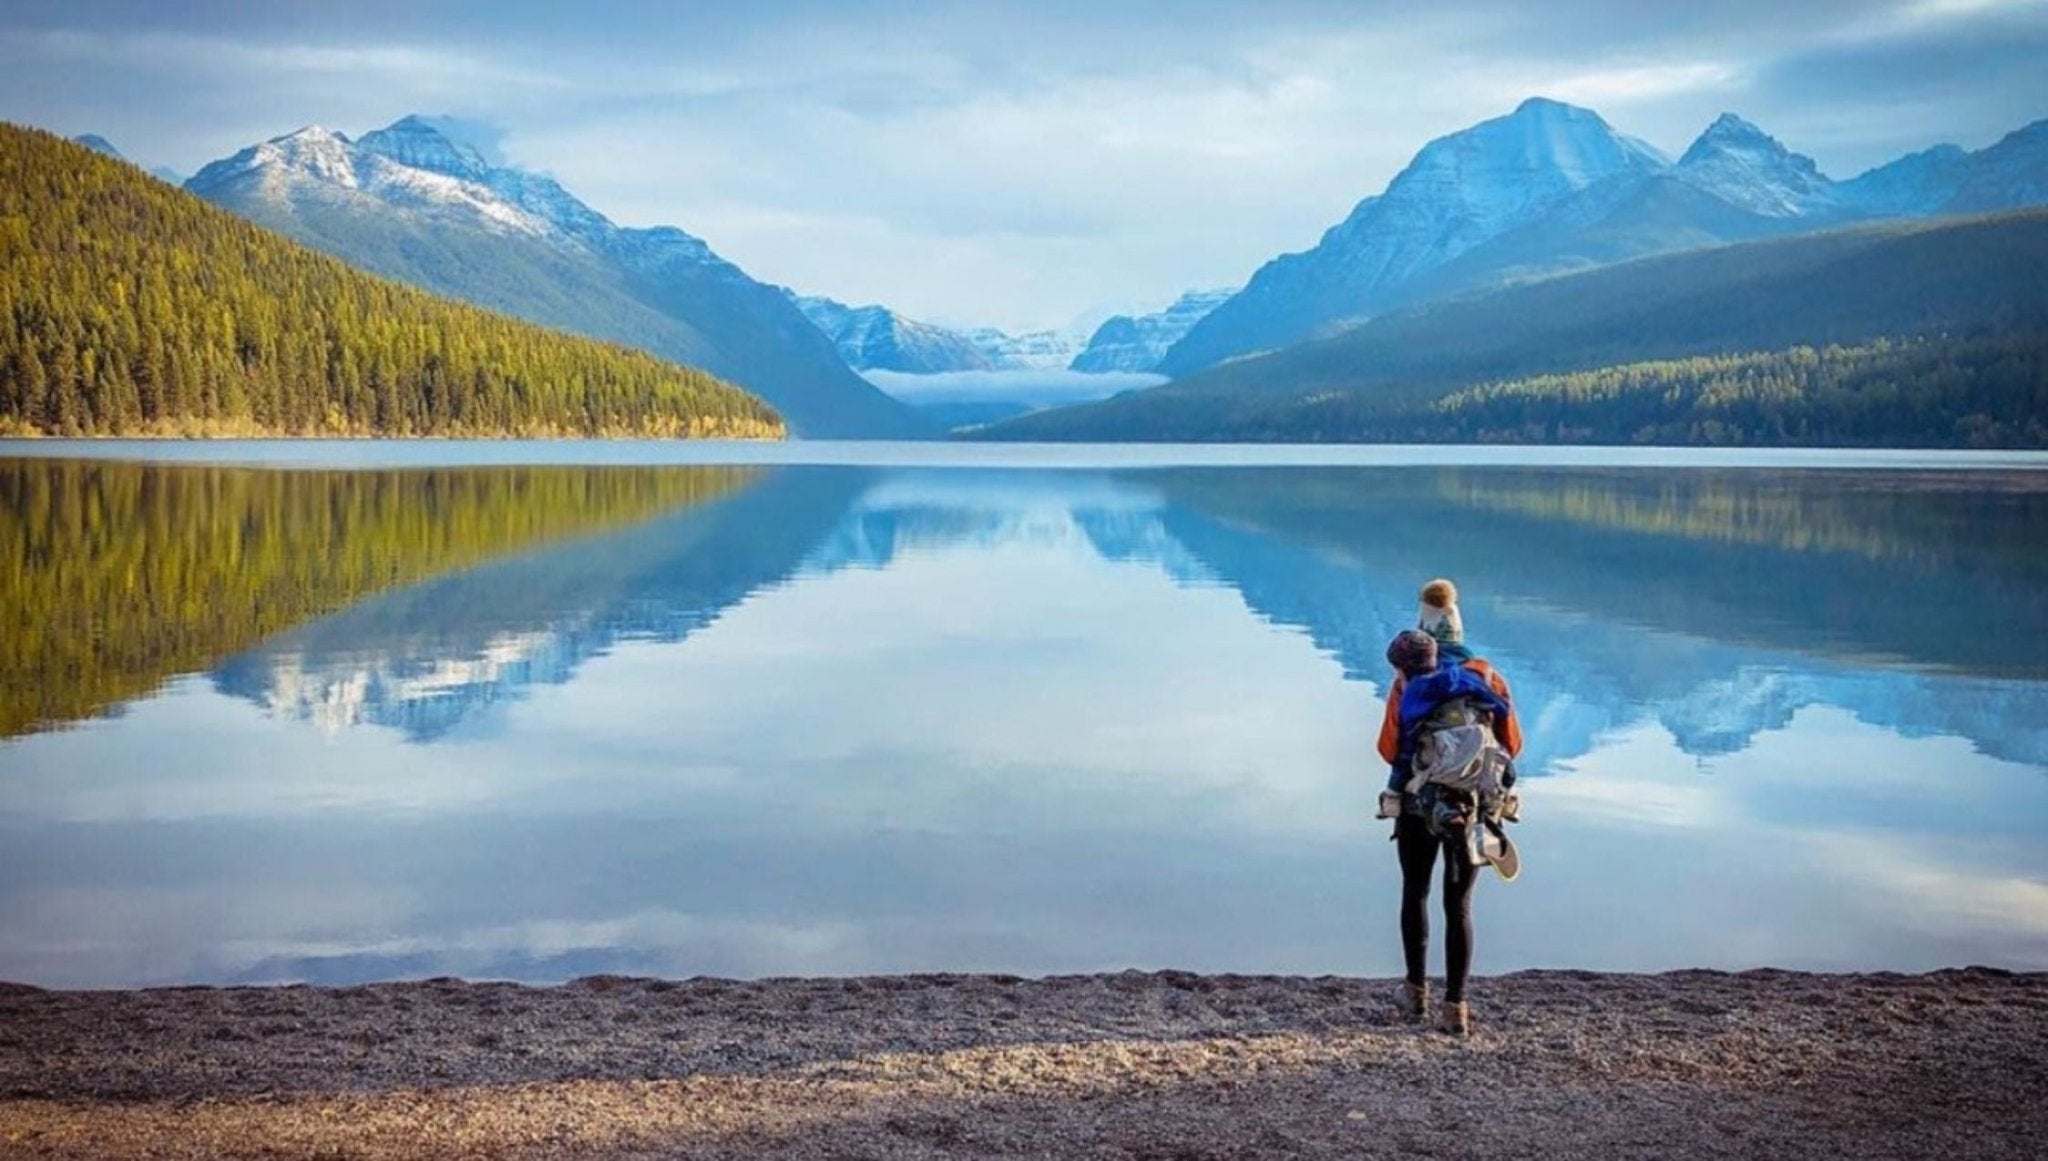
{"points": [[1161, 1064]]}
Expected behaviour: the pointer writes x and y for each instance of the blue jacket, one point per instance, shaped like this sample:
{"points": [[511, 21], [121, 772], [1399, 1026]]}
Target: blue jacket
{"points": [[1422, 696]]}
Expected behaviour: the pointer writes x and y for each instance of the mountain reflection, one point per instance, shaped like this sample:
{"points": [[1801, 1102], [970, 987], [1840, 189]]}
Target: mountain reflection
{"points": [[118, 576], [425, 659], [1717, 604]]}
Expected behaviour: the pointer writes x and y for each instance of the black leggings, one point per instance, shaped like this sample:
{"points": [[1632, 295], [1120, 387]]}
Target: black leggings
{"points": [[1418, 850]]}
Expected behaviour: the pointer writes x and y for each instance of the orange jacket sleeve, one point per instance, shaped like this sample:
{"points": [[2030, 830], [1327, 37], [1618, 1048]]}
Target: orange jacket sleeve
{"points": [[1390, 722], [1509, 729]]}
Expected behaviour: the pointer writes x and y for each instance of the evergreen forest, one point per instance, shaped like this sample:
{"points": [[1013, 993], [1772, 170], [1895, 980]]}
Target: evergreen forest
{"points": [[1988, 391], [129, 307]]}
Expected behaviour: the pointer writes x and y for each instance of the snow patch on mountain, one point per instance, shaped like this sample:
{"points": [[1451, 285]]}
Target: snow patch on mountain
{"points": [[875, 338], [1136, 342], [544, 197], [1474, 185], [1747, 167], [315, 160], [412, 141], [1459, 193], [1051, 350], [411, 164]]}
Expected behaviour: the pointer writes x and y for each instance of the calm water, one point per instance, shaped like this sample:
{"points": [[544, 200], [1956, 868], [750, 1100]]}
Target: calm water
{"points": [[375, 711]]}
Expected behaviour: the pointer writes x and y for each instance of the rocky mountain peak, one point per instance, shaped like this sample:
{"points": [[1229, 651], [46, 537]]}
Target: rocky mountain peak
{"points": [[1137, 343], [412, 140], [1730, 131], [313, 151], [1741, 164], [1542, 146]]}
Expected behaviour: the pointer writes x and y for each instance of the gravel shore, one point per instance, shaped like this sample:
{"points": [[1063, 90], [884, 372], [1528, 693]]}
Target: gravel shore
{"points": [[1952, 1064]]}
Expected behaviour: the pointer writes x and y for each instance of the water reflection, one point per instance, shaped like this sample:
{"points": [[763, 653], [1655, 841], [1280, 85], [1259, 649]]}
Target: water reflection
{"points": [[426, 659], [1717, 604], [862, 719], [118, 576]]}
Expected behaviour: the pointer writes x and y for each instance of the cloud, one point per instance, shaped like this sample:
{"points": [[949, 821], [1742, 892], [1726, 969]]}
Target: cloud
{"points": [[1010, 163]]}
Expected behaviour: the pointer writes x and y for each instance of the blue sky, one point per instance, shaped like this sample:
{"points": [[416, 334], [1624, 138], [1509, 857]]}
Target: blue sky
{"points": [[1007, 163]]}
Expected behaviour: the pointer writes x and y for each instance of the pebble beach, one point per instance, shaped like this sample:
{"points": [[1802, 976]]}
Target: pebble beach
{"points": [[1561, 1064]]}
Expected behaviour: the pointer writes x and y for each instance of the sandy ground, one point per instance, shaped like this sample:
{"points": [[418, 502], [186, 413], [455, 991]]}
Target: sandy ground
{"points": [[1165, 1065]]}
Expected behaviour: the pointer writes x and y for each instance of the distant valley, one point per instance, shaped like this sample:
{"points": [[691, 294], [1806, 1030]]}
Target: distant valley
{"points": [[1540, 276], [1916, 333], [1529, 246]]}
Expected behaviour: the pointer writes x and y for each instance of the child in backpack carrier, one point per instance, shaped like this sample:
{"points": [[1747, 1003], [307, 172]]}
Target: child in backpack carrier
{"points": [[1449, 768]]}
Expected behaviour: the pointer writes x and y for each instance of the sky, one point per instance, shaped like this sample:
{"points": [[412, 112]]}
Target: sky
{"points": [[1023, 165]]}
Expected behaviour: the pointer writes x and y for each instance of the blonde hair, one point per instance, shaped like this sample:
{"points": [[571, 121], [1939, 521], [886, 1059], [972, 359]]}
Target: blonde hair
{"points": [[1440, 593]]}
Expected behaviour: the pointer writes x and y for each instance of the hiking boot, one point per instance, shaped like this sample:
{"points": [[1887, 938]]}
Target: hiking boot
{"points": [[1415, 1001], [1457, 1019]]}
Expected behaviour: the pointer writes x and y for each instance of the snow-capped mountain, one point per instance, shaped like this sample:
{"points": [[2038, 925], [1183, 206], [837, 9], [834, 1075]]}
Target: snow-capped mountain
{"points": [[875, 338], [1552, 188], [1459, 192], [1031, 350], [413, 141], [317, 164], [411, 203], [1135, 343], [1747, 167]]}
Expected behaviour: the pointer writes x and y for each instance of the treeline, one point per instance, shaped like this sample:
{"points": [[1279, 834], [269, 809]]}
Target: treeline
{"points": [[117, 576], [1986, 391], [1976, 288], [128, 307], [1989, 391]]}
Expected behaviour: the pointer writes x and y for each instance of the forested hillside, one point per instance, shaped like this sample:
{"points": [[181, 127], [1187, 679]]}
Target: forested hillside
{"points": [[409, 203], [1983, 391], [1944, 324], [128, 307]]}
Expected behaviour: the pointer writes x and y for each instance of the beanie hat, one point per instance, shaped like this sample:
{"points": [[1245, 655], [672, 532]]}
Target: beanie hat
{"points": [[1412, 651], [1439, 615]]}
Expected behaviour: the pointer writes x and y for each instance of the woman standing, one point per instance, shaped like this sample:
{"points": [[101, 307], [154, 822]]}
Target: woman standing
{"points": [[1418, 655]]}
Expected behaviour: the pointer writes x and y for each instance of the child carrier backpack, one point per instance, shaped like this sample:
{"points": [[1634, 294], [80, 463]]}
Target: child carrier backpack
{"points": [[1462, 779]]}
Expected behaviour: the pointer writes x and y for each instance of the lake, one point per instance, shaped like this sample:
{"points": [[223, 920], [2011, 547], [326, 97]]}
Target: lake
{"points": [[341, 712]]}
